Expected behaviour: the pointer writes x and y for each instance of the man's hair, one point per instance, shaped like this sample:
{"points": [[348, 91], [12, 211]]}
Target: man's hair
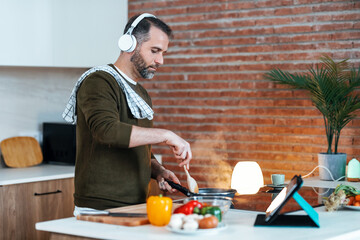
{"points": [[141, 31]]}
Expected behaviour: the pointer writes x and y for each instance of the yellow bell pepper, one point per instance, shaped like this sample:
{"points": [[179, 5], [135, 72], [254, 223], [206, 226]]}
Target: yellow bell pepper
{"points": [[159, 210]]}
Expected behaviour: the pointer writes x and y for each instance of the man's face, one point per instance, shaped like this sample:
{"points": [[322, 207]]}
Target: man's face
{"points": [[149, 55]]}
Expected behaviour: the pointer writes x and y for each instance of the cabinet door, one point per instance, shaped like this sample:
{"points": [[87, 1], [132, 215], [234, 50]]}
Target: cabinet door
{"points": [[26, 204], [60, 33]]}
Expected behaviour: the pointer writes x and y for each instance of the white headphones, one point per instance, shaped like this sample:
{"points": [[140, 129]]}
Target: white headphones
{"points": [[127, 42]]}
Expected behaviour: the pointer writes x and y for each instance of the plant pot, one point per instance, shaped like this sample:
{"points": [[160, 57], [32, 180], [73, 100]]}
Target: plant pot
{"points": [[336, 163]]}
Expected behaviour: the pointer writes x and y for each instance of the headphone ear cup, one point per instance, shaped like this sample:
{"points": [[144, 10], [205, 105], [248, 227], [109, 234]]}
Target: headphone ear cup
{"points": [[134, 43], [127, 43]]}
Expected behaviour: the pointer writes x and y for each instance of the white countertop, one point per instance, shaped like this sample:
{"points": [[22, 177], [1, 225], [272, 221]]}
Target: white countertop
{"points": [[239, 224], [43, 172], [338, 225]]}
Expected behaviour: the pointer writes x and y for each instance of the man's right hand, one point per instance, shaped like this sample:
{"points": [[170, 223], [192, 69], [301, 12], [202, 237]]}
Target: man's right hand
{"points": [[180, 148]]}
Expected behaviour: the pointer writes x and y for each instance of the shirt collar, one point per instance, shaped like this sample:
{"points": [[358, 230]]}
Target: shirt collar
{"points": [[127, 78]]}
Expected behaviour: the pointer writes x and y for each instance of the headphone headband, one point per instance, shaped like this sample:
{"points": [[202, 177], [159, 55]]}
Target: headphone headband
{"points": [[127, 42], [137, 20]]}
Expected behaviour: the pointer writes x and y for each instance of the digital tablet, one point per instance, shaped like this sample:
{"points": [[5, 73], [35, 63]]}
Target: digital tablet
{"points": [[279, 201]]}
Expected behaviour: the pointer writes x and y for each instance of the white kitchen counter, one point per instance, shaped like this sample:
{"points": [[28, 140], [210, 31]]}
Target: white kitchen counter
{"points": [[43, 172], [335, 226], [338, 225]]}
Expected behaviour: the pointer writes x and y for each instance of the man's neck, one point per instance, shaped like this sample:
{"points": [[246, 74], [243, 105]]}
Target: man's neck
{"points": [[126, 77], [125, 67]]}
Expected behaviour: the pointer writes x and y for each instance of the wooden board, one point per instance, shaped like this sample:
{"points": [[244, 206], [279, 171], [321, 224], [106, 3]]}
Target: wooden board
{"points": [[125, 221], [21, 152]]}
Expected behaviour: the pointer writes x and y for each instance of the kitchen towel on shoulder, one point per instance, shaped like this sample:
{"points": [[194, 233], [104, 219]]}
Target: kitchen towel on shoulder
{"points": [[139, 108]]}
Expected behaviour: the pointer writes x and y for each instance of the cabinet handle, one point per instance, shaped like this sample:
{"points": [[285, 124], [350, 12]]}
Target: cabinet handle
{"points": [[46, 193]]}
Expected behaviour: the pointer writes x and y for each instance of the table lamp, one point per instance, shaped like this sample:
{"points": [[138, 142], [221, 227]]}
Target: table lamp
{"points": [[247, 177]]}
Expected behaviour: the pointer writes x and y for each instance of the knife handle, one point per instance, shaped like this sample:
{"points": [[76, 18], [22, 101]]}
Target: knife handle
{"points": [[179, 187]]}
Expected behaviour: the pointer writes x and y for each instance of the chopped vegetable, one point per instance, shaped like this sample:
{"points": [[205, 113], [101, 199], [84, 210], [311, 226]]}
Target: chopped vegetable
{"points": [[351, 200], [342, 195], [357, 197], [354, 200], [159, 210], [335, 200], [348, 190]]}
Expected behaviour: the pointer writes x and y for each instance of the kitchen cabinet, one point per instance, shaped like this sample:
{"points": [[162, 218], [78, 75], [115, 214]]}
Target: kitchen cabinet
{"points": [[22, 205], [60, 33]]}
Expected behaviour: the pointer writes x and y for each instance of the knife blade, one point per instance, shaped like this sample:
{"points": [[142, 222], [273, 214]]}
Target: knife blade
{"points": [[112, 214]]}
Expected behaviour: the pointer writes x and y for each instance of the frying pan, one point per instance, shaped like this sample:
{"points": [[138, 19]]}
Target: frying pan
{"points": [[222, 192]]}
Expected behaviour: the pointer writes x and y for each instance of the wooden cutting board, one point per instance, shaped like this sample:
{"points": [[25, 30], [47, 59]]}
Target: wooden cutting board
{"points": [[124, 221], [21, 152]]}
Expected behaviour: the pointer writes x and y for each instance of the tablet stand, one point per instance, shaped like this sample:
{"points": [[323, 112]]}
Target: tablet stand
{"points": [[310, 220]]}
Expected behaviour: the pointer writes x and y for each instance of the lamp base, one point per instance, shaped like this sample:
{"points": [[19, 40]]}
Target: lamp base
{"points": [[353, 179]]}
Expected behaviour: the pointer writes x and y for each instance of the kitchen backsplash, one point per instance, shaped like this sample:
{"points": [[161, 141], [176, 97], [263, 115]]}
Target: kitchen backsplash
{"points": [[30, 96]]}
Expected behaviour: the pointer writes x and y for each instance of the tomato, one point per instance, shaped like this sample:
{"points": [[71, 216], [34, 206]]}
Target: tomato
{"points": [[357, 197], [357, 204], [351, 200]]}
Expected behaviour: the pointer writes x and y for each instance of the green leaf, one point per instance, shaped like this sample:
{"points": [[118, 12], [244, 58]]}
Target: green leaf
{"points": [[333, 89]]}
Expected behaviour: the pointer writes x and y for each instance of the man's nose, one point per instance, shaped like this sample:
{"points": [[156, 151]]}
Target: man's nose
{"points": [[159, 59]]}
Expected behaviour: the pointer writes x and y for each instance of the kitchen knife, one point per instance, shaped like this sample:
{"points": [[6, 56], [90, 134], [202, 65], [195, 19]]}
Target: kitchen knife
{"points": [[112, 214]]}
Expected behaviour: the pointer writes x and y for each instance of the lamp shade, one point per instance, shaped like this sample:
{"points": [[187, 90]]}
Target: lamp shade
{"points": [[353, 170], [247, 177]]}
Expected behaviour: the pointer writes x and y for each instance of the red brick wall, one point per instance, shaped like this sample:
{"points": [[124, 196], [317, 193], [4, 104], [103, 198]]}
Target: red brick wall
{"points": [[211, 89]]}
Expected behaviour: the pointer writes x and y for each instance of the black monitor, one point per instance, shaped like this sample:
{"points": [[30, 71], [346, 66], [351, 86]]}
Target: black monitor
{"points": [[59, 143]]}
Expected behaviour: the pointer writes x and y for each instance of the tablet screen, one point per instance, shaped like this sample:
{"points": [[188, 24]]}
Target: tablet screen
{"points": [[280, 200]]}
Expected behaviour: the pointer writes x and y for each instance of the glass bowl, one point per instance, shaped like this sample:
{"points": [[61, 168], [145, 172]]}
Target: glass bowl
{"points": [[224, 203]]}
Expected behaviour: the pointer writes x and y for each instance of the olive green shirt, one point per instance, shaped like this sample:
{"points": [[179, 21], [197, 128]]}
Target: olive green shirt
{"points": [[108, 173]]}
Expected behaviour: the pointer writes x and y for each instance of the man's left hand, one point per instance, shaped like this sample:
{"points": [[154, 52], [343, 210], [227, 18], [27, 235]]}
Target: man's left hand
{"points": [[169, 175]]}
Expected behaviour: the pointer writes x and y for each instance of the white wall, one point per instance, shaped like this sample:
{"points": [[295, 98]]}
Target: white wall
{"points": [[60, 33], [31, 96]]}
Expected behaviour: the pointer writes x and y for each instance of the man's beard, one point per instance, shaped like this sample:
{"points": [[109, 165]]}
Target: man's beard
{"points": [[141, 67]]}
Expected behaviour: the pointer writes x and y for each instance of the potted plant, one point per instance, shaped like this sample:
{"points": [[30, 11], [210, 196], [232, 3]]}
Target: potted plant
{"points": [[332, 87]]}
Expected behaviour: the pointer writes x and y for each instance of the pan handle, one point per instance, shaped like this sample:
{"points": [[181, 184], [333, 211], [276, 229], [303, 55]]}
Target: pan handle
{"points": [[182, 189]]}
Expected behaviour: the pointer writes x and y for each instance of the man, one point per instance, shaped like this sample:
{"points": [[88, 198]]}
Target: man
{"points": [[114, 130]]}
